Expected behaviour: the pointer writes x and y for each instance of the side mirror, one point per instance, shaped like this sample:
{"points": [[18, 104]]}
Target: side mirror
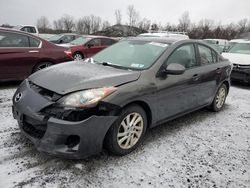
{"points": [[60, 41], [174, 69]]}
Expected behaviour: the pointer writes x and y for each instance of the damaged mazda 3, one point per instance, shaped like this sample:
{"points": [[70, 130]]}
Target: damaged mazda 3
{"points": [[76, 109]]}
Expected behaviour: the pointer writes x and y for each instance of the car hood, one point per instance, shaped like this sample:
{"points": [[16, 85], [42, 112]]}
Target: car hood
{"points": [[74, 76], [241, 59]]}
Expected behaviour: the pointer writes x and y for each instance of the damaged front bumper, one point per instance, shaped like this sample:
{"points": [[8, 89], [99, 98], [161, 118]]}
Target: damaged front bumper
{"points": [[68, 139]]}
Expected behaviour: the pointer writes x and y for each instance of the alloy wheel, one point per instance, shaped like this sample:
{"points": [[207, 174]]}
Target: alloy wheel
{"points": [[130, 130], [220, 98]]}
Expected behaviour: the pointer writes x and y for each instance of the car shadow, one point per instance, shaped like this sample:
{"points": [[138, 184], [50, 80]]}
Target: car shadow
{"points": [[9, 84], [240, 85]]}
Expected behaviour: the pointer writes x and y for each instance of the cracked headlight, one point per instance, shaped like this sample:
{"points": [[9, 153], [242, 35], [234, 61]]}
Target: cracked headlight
{"points": [[86, 98]]}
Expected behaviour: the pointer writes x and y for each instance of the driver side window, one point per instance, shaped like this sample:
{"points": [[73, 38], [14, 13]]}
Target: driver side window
{"points": [[184, 55]]}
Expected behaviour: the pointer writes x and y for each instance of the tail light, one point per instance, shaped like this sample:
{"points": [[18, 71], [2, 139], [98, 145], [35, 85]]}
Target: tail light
{"points": [[68, 53]]}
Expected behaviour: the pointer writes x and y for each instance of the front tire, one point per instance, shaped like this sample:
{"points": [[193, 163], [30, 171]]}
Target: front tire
{"points": [[220, 98], [78, 56], [127, 132]]}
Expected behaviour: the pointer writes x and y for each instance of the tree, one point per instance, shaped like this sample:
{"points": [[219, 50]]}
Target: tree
{"points": [[118, 16], [184, 22], [144, 24], [58, 24], [242, 24], [80, 26], [105, 25], [68, 23], [133, 15], [95, 23], [43, 24]]}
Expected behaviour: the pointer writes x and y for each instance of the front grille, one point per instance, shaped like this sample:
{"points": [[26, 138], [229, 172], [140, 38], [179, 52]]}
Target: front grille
{"points": [[240, 66], [33, 127], [45, 92]]}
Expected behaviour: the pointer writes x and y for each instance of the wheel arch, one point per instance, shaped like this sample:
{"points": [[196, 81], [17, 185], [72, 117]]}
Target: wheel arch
{"points": [[145, 107], [42, 61]]}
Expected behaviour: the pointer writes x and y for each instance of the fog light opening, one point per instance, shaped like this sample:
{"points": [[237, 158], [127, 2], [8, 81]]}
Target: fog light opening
{"points": [[72, 142]]}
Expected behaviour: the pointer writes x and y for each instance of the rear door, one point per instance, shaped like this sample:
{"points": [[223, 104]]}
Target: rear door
{"points": [[210, 73], [18, 54]]}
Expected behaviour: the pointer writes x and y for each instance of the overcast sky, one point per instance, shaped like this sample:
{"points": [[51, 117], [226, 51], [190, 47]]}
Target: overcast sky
{"points": [[17, 12]]}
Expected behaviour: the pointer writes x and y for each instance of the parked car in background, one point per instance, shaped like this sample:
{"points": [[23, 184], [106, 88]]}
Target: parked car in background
{"points": [[22, 54], [233, 42], [119, 93], [221, 45], [63, 38], [27, 28], [87, 46], [239, 55], [168, 34]]}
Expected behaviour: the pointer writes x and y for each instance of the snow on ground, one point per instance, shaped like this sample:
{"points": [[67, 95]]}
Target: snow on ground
{"points": [[202, 149]]}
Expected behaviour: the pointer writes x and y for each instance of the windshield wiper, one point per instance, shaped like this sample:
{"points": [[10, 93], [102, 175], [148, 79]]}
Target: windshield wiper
{"points": [[114, 65]]}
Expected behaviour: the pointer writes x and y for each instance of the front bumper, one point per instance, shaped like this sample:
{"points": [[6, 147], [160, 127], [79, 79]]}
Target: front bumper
{"points": [[241, 74], [74, 140]]}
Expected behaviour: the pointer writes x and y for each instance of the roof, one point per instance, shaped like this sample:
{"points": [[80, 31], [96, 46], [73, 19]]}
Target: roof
{"points": [[156, 39]]}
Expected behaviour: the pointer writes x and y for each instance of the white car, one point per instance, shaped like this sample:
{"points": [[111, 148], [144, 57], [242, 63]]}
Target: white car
{"points": [[180, 35], [27, 28], [239, 55]]}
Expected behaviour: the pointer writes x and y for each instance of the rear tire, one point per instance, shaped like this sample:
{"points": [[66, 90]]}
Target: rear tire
{"points": [[127, 132], [40, 66], [220, 98]]}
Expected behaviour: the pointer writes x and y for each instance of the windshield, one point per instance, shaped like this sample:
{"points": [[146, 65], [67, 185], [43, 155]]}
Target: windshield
{"points": [[55, 37], [241, 48], [79, 41], [132, 54]]}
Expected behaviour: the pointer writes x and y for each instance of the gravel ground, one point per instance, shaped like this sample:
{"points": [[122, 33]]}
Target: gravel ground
{"points": [[202, 149]]}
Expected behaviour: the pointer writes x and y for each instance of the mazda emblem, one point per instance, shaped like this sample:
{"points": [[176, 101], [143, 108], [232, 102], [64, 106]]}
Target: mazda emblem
{"points": [[18, 97]]}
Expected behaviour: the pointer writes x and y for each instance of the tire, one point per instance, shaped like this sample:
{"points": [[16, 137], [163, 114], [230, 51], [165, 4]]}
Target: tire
{"points": [[130, 137], [78, 56], [220, 98], [42, 65]]}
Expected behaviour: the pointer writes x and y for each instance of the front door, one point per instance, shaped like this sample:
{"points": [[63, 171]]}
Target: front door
{"points": [[178, 93]]}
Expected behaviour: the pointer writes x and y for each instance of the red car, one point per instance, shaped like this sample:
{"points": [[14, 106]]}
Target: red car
{"points": [[21, 54], [86, 46]]}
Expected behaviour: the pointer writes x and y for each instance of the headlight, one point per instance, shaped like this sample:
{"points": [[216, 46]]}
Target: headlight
{"points": [[86, 98]]}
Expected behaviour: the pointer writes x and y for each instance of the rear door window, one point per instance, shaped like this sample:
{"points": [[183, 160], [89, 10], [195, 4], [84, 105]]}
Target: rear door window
{"points": [[107, 42], [206, 55], [14, 40]]}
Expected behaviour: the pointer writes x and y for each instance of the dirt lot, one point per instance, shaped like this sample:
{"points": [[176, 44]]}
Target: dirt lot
{"points": [[202, 149]]}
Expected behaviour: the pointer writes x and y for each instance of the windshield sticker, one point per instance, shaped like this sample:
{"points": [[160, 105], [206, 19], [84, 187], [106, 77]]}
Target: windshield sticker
{"points": [[159, 44], [137, 65]]}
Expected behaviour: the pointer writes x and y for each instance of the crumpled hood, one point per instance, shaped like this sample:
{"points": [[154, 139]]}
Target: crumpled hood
{"points": [[74, 76], [241, 59]]}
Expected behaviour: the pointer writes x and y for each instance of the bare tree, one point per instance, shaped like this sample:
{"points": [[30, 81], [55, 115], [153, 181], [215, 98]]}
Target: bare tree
{"points": [[95, 23], [105, 25], [43, 24], [144, 24], [242, 24], [80, 26], [87, 24], [133, 15], [58, 24], [68, 23], [118, 16], [184, 22]]}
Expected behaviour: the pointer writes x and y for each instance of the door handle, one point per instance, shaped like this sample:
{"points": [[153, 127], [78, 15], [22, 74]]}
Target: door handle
{"points": [[33, 51], [196, 77]]}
